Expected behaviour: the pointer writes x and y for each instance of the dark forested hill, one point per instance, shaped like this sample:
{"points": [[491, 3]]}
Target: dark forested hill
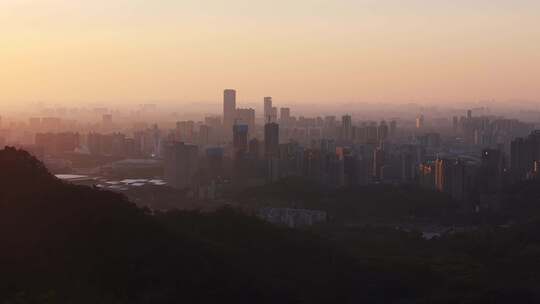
{"points": [[67, 243], [62, 243]]}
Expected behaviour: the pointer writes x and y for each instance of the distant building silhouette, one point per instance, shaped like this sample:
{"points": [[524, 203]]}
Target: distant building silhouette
{"points": [[181, 164], [271, 149], [247, 117], [267, 110], [240, 140], [420, 122], [229, 110]]}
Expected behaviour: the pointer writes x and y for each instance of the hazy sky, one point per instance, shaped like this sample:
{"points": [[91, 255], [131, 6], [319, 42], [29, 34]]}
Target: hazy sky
{"points": [[295, 50]]}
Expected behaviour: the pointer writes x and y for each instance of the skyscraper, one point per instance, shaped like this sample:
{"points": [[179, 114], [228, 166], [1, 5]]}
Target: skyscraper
{"points": [[271, 140], [524, 151], [346, 127], [204, 135], [240, 140], [229, 109], [420, 122], [247, 117], [382, 132], [267, 109], [185, 131], [329, 127], [274, 113], [456, 177], [371, 133], [441, 173], [284, 115], [215, 125], [271, 150]]}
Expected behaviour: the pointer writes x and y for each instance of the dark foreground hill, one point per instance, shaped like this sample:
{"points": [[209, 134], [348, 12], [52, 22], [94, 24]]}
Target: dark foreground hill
{"points": [[67, 243], [62, 243]]}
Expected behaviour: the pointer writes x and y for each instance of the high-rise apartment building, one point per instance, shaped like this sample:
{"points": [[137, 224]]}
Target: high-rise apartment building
{"points": [[185, 131], [382, 132], [181, 164], [346, 127], [271, 140], [240, 140], [420, 122], [267, 110], [371, 133], [456, 177], [284, 116], [274, 114], [246, 117], [524, 152], [204, 135], [229, 109]]}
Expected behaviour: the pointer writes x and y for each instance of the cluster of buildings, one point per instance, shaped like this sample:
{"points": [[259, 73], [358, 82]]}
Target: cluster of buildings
{"points": [[471, 163], [470, 159]]}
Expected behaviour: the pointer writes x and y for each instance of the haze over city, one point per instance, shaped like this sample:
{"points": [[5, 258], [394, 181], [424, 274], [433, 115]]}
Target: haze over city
{"points": [[301, 52], [291, 152]]}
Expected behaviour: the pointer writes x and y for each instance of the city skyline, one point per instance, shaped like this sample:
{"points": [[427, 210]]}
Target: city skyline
{"points": [[240, 151], [303, 52]]}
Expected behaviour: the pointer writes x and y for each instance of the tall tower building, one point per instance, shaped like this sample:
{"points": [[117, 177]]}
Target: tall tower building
{"points": [[271, 140], [442, 176], [420, 122], [273, 116], [267, 109], [229, 109], [284, 115], [271, 150], [346, 127], [382, 132], [524, 152]]}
